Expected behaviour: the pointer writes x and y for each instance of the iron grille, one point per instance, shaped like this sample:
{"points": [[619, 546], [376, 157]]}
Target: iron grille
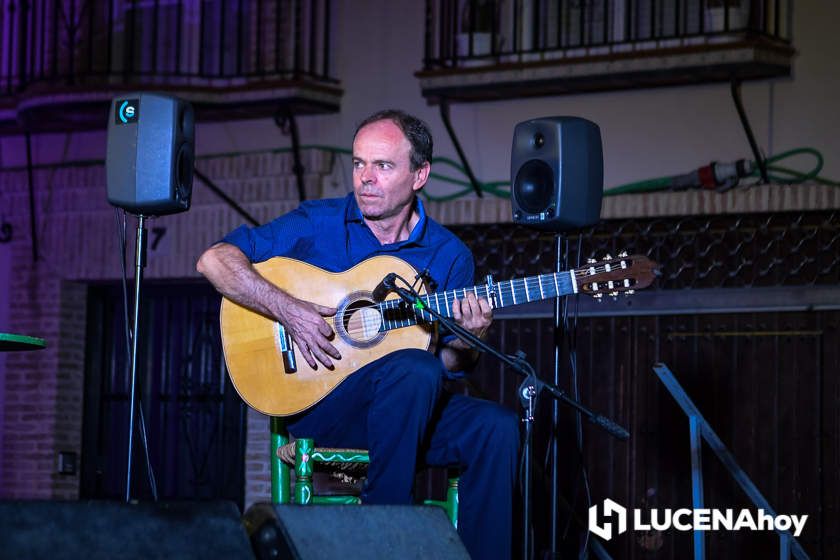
{"points": [[464, 30], [79, 41], [754, 250]]}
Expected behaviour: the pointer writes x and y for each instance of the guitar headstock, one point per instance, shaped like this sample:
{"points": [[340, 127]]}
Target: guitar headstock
{"points": [[611, 276]]}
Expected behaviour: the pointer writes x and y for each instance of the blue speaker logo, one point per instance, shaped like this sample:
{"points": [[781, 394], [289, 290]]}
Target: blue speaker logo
{"points": [[128, 111]]}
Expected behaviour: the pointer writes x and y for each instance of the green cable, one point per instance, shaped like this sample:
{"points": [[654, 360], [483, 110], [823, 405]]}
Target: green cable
{"points": [[793, 176], [776, 174], [501, 189], [492, 187], [648, 185]]}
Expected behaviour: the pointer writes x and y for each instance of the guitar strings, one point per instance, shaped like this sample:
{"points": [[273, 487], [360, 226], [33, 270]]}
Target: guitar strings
{"points": [[368, 323], [517, 286]]}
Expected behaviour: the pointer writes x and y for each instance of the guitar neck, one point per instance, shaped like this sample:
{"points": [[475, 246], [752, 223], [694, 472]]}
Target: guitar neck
{"points": [[501, 294]]}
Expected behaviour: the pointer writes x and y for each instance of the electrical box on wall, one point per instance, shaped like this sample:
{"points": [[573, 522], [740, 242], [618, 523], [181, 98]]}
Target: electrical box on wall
{"points": [[67, 462]]}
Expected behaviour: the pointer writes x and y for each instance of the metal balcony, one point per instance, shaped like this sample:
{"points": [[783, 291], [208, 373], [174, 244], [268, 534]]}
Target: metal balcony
{"points": [[64, 60], [480, 50]]}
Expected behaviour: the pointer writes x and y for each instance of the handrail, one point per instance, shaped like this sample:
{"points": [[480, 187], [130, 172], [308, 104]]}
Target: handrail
{"points": [[700, 428]]}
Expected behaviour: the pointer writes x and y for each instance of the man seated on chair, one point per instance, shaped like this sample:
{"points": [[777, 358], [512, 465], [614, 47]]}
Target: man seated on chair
{"points": [[394, 406]]}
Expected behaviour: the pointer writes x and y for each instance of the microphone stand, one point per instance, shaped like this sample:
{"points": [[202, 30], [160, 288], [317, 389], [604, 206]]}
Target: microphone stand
{"points": [[529, 390]]}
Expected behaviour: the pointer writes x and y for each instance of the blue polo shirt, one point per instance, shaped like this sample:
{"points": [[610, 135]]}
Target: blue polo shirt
{"points": [[331, 234]]}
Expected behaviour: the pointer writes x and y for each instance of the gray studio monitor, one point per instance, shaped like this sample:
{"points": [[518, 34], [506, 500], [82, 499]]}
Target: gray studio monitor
{"points": [[151, 139], [373, 532], [99, 529], [557, 173]]}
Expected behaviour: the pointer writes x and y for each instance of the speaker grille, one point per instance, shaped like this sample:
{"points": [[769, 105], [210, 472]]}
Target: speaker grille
{"points": [[533, 187]]}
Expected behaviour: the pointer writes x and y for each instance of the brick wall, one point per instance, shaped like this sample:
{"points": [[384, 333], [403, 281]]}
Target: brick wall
{"points": [[43, 390], [257, 471]]}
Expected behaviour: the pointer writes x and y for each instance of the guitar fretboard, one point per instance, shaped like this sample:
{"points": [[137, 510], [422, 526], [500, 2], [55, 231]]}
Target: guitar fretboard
{"points": [[396, 314]]}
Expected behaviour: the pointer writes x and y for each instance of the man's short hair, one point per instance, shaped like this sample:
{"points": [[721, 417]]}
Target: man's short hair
{"points": [[415, 130]]}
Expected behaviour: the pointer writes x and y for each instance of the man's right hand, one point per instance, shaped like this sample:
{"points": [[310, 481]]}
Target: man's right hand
{"points": [[230, 271], [305, 322]]}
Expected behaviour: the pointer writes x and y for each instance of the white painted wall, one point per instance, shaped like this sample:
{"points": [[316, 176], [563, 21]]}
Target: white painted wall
{"points": [[378, 45], [646, 133]]}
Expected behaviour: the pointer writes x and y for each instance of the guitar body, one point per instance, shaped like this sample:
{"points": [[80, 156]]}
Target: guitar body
{"points": [[252, 342], [365, 331]]}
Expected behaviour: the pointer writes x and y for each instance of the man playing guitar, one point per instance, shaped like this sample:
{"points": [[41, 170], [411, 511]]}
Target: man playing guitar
{"points": [[393, 406]]}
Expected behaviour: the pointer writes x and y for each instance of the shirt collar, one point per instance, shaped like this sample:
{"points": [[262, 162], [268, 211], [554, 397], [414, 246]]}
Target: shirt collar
{"points": [[417, 236]]}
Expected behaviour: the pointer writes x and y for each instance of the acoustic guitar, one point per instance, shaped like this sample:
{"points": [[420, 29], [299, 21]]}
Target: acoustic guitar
{"points": [[365, 330]]}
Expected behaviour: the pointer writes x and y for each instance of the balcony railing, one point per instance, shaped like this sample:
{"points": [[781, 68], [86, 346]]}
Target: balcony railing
{"points": [[475, 37], [201, 48]]}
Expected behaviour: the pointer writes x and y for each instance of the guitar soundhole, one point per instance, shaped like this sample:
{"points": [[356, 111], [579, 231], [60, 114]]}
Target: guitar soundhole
{"points": [[359, 322]]}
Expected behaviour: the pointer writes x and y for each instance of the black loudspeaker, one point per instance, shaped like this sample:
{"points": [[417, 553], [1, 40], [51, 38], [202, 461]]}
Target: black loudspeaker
{"points": [[557, 173], [93, 529], [151, 151], [371, 532]]}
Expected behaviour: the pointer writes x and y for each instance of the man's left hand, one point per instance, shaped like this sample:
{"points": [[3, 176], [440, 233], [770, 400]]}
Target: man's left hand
{"points": [[473, 314]]}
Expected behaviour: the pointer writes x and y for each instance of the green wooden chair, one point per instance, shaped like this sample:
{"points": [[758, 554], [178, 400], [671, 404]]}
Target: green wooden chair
{"points": [[304, 459]]}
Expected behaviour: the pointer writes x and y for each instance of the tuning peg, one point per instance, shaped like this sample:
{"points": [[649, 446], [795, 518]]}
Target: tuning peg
{"points": [[598, 297], [613, 294], [607, 257], [630, 292], [591, 261], [622, 254]]}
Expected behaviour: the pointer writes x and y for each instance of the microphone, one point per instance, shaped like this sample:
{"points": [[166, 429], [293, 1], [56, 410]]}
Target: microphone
{"points": [[384, 287]]}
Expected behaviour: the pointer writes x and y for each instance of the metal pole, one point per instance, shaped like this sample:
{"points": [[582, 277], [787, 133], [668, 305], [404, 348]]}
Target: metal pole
{"points": [[697, 482], [140, 262], [444, 116], [555, 412], [735, 89], [528, 399]]}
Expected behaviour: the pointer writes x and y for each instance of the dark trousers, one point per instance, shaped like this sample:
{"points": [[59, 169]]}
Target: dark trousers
{"points": [[394, 408]]}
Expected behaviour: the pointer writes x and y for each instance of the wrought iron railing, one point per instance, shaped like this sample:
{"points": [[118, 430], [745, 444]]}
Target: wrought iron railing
{"points": [[469, 32], [179, 42], [700, 430], [725, 251]]}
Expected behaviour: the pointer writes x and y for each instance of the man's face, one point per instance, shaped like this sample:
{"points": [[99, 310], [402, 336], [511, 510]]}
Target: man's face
{"points": [[383, 181]]}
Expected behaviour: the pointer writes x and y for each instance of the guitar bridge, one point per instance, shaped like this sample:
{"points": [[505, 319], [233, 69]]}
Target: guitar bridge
{"points": [[287, 350]]}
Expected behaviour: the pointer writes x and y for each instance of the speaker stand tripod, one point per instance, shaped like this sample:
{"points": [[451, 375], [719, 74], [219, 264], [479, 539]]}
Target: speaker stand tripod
{"points": [[139, 264], [555, 410]]}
